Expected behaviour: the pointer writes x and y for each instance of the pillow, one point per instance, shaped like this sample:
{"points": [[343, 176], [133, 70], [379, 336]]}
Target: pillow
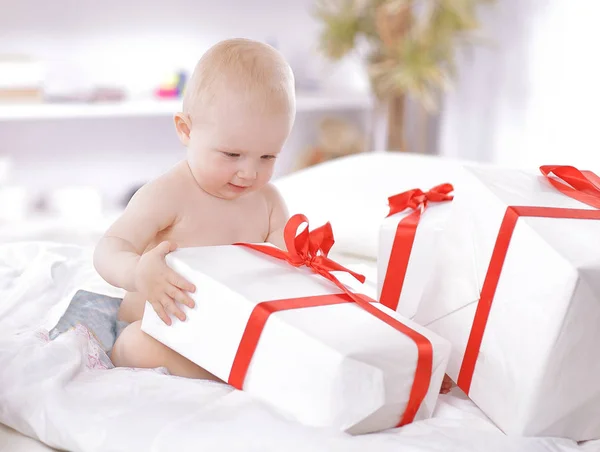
{"points": [[352, 192]]}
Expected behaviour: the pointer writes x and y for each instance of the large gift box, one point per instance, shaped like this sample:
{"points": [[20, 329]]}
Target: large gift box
{"points": [[408, 239], [517, 292], [281, 326]]}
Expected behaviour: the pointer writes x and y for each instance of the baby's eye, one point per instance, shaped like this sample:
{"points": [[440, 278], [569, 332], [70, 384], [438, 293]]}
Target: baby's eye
{"points": [[231, 154], [268, 157]]}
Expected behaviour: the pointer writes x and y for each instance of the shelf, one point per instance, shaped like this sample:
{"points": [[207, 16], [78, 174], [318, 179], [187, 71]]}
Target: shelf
{"points": [[305, 102]]}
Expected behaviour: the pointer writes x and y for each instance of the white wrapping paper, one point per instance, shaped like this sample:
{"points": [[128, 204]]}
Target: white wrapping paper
{"points": [[538, 368], [332, 366], [422, 256]]}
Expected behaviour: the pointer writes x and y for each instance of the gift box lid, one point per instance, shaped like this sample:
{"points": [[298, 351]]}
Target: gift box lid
{"points": [[467, 243]]}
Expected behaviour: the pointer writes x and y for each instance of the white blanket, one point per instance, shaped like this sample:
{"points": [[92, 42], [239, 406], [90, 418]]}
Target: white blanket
{"points": [[66, 394]]}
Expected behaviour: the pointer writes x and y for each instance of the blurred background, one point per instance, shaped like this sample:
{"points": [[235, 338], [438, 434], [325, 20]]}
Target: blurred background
{"points": [[88, 90]]}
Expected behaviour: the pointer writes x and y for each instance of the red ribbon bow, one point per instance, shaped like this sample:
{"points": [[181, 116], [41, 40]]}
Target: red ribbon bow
{"points": [[584, 186], [416, 200], [310, 249]]}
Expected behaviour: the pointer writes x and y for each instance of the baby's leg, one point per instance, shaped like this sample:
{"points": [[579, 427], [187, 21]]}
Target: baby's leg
{"points": [[134, 348], [132, 307], [447, 385]]}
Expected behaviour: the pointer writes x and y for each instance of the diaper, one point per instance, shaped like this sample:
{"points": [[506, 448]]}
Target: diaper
{"points": [[97, 312]]}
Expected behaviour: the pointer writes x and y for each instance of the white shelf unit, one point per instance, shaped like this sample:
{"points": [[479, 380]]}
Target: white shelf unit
{"points": [[114, 146], [305, 102]]}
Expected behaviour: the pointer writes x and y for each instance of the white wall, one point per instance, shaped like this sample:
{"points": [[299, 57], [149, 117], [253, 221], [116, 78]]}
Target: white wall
{"points": [[137, 43], [531, 95]]}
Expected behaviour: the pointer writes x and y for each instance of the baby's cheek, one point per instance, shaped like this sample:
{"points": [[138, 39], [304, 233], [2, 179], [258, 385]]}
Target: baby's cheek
{"points": [[265, 176], [269, 169], [195, 158]]}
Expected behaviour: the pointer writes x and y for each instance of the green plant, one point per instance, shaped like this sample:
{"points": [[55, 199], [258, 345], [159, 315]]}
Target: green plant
{"points": [[410, 44]]}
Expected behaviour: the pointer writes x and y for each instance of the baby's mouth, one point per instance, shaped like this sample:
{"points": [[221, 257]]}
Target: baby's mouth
{"points": [[239, 187]]}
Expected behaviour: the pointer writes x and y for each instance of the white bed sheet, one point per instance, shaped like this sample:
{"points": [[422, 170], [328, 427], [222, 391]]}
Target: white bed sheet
{"points": [[59, 393]]}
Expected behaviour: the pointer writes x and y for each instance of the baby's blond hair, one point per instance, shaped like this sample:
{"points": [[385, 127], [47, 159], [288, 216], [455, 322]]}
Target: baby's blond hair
{"points": [[255, 73]]}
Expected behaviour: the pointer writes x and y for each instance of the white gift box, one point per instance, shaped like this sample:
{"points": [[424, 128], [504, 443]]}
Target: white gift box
{"points": [[328, 366], [536, 371], [421, 260]]}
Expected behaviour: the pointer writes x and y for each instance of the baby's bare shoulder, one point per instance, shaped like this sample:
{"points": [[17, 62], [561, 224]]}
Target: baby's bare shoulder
{"points": [[152, 208], [165, 188], [278, 214], [272, 196]]}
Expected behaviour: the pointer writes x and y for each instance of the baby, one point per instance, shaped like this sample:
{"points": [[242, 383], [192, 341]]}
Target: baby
{"points": [[238, 110]]}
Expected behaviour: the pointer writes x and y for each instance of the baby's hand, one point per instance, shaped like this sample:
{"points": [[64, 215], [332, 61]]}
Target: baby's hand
{"points": [[161, 286]]}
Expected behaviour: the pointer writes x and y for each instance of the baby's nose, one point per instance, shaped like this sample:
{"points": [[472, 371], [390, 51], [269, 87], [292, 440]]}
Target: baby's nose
{"points": [[247, 173]]}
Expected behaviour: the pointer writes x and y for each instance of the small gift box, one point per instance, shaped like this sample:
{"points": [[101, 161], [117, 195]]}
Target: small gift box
{"points": [[281, 326]]}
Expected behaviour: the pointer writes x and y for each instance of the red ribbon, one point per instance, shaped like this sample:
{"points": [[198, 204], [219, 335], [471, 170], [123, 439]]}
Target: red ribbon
{"points": [[417, 200], [584, 186], [310, 249]]}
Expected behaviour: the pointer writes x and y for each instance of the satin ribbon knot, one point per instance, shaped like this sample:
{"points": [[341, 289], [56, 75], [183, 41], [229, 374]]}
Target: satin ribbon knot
{"points": [[418, 199], [308, 248]]}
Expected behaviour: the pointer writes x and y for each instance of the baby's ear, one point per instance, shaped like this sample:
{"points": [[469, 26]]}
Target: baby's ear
{"points": [[183, 127]]}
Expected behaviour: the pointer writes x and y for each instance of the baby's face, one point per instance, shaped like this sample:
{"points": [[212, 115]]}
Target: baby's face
{"points": [[234, 151]]}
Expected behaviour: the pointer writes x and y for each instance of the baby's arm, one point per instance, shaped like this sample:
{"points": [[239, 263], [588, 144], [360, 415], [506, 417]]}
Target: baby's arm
{"points": [[278, 217], [118, 252], [119, 256]]}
